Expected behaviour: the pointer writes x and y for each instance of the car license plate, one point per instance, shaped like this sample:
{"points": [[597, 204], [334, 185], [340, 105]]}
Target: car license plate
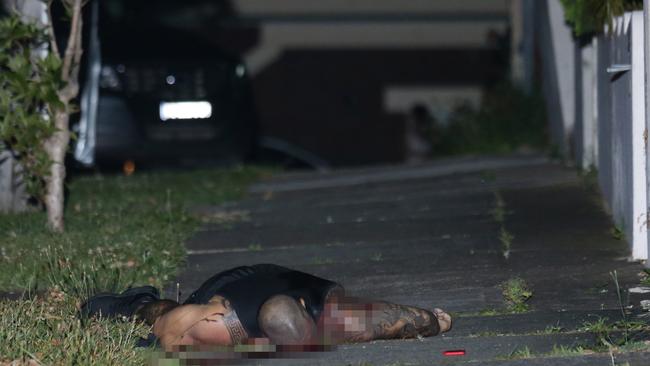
{"points": [[185, 110]]}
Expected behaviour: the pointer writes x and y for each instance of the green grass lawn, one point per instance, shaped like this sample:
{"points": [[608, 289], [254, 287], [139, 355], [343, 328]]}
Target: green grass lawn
{"points": [[120, 232]]}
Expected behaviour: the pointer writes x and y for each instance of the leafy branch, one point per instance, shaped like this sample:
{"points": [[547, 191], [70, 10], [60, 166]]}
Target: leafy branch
{"points": [[590, 16], [38, 84], [28, 83]]}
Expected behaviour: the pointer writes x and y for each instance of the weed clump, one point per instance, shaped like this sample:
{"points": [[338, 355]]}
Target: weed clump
{"points": [[617, 233], [508, 120], [516, 294]]}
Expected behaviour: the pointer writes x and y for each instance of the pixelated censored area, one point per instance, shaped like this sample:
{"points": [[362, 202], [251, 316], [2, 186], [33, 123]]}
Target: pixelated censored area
{"points": [[342, 318], [236, 355]]}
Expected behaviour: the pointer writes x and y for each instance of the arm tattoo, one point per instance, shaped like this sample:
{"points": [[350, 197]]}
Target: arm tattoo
{"points": [[403, 322], [235, 328]]}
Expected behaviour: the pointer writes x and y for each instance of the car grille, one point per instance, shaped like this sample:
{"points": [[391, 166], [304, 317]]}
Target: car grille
{"points": [[168, 84]]}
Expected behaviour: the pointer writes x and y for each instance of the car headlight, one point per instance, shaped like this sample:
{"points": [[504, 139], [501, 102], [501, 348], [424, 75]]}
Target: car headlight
{"points": [[109, 79]]}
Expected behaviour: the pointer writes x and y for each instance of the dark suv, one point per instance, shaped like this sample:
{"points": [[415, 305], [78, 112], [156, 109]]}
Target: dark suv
{"points": [[155, 88]]}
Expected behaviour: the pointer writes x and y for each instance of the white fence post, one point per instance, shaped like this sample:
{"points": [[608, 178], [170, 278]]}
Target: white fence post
{"points": [[586, 133], [646, 22], [640, 245], [604, 112], [629, 185]]}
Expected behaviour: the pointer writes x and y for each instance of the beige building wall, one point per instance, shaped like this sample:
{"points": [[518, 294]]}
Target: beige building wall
{"points": [[369, 24], [277, 37], [284, 7], [413, 29]]}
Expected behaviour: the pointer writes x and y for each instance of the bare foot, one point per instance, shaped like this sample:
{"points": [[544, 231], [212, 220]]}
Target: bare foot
{"points": [[444, 320]]}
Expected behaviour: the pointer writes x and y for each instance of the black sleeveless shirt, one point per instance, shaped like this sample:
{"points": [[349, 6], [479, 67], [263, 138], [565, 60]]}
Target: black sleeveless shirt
{"points": [[248, 287]]}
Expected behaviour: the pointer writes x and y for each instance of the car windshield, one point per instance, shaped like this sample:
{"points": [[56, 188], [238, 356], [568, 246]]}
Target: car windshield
{"points": [[180, 14]]}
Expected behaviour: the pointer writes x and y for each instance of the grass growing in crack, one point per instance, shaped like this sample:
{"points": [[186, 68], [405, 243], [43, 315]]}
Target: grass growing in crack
{"points": [[566, 351], [617, 233], [255, 247], [484, 312], [377, 257], [557, 351], [619, 335], [635, 346], [573, 351], [506, 238], [609, 338], [645, 277], [548, 330], [485, 334], [619, 295], [519, 353], [498, 212], [552, 329], [516, 294], [490, 312]]}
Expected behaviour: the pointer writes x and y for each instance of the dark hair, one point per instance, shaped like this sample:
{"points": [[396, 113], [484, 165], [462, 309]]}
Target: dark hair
{"points": [[150, 312]]}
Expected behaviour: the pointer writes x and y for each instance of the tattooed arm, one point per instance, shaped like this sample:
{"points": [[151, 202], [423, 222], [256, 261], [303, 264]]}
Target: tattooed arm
{"points": [[360, 321], [385, 321]]}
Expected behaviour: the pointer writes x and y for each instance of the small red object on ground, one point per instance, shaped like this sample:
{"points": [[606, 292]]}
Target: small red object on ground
{"points": [[456, 352]]}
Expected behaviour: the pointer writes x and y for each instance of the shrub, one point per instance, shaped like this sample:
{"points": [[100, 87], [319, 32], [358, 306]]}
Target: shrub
{"points": [[591, 16], [507, 120]]}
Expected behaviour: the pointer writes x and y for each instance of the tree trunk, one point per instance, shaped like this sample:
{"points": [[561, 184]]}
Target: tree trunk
{"points": [[56, 147]]}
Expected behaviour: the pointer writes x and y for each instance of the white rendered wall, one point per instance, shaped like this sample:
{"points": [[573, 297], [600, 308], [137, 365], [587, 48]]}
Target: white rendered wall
{"points": [[369, 24], [31, 10], [586, 129], [522, 20], [557, 51]]}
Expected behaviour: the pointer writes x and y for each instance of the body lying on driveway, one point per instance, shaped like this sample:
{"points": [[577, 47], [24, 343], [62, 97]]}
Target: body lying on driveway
{"points": [[266, 303]]}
